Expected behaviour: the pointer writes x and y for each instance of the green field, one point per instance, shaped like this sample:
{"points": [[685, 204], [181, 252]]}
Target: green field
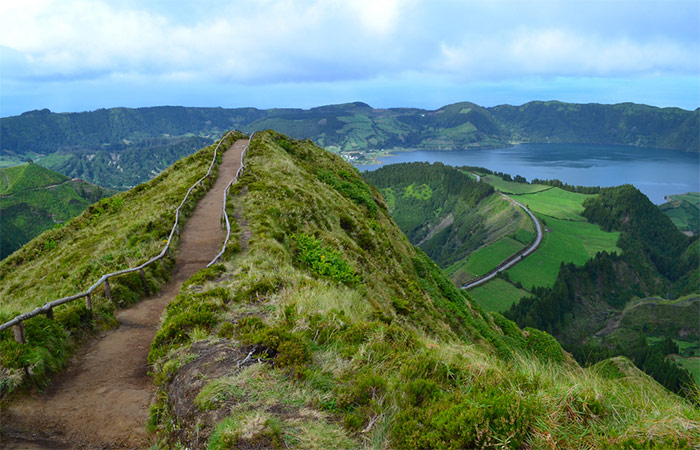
{"points": [[692, 364], [486, 258], [511, 187], [555, 202], [691, 197], [683, 210], [497, 295], [566, 241]]}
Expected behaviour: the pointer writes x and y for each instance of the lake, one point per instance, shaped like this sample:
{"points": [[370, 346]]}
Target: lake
{"points": [[655, 172]]}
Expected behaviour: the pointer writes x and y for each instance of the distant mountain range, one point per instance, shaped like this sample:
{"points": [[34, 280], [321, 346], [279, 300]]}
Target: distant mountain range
{"points": [[99, 145]]}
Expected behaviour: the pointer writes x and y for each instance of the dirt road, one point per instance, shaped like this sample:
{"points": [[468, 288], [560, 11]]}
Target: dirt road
{"points": [[101, 400]]}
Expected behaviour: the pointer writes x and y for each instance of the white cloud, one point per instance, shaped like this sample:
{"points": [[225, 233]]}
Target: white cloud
{"points": [[285, 40], [558, 52]]}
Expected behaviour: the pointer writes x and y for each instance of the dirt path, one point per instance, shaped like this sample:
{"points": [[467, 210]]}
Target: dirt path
{"points": [[101, 400]]}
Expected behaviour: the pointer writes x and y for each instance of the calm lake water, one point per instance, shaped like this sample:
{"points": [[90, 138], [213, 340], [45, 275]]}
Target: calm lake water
{"points": [[655, 172]]}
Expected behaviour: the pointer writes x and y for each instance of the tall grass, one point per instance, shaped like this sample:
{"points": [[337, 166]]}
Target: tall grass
{"points": [[400, 359], [115, 233]]}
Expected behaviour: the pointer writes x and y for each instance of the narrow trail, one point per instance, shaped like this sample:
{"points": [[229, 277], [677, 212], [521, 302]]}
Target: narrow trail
{"points": [[101, 401]]}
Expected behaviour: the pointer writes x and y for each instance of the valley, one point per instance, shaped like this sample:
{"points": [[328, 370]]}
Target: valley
{"points": [[571, 240], [331, 329]]}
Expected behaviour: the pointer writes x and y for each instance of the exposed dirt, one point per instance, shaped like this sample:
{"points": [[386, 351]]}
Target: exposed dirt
{"points": [[101, 400]]}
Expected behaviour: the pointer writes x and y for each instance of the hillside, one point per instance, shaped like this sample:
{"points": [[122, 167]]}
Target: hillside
{"points": [[34, 199], [684, 211], [329, 330], [107, 145], [463, 225], [586, 303], [115, 233]]}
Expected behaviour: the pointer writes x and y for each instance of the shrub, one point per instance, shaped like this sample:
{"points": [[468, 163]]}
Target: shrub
{"points": [[487, 418], [543, 345], [324, 261]]}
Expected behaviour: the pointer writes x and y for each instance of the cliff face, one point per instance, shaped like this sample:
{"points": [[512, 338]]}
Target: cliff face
{"points": [[326, 328]]}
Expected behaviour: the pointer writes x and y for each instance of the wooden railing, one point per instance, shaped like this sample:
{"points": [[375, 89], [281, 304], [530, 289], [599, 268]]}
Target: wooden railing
{"points": [[47, 308], [224, 215]]}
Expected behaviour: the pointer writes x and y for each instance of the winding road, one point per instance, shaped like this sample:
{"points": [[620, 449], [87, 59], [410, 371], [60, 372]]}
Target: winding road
{"points": [[512, 260]]}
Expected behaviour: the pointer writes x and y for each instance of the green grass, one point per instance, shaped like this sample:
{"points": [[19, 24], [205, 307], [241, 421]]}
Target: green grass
{"points": [[556, 203], [37, 199], [683, 210], [511, 187], [691, 197], [566, 241], [486, 259], [497, 295], [115, 233], [400, 360], [692, 364]]}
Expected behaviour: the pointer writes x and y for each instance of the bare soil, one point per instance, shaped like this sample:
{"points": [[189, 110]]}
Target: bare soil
{"points": [[102, 399]]}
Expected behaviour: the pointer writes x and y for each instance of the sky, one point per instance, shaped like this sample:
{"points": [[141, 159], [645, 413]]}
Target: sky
{"points": [[78, 55]]}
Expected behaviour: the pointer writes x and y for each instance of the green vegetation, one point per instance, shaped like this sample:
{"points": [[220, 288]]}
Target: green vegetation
{"points": [[121, 147], [282, 355], [438, 207], [588, 308], [497, 295], [486, 258], [34, 199], [684, 211], [555, 202], [460, 223], [564, 242], [115, 233], [511, 187]]}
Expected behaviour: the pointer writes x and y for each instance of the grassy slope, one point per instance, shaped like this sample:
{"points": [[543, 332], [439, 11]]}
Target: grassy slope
{"points": [[497, 295], [684, 211], [556, 203], [569, 239], [511, 187], [397, 359], [116, 233], [37, 199]]}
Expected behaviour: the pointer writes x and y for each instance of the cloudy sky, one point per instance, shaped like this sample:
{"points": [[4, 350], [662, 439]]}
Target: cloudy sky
{"points": [[76, 55]]}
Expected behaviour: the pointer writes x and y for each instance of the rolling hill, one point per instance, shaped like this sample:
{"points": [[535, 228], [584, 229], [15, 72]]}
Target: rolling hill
{"points": [[34, 199], [328, 329], [121, 147]]}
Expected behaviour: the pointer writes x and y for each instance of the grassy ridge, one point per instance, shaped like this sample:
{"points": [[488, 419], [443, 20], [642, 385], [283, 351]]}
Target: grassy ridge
{"points": [[115, 233], [274, 348]]}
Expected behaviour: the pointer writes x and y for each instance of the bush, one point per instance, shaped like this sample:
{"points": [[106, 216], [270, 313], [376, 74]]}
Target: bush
{"points": [[488, 418], [543, 345], [324, 261]]}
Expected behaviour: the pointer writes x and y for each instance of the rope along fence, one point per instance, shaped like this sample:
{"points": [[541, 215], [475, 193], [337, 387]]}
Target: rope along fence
{"points": [[47, 308], [224, 215]]}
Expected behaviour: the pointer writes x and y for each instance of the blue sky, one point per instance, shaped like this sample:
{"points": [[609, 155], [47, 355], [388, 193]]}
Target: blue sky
{"points": [[76, 55]]}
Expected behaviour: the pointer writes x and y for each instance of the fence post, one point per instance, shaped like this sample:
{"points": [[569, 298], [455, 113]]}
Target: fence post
{"points": [[19, 333], [49, 313], [108, 291], [143, 280], [88, 302]]}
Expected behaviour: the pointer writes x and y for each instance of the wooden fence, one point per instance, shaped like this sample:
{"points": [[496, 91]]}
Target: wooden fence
{"points": [[47, 308]]}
